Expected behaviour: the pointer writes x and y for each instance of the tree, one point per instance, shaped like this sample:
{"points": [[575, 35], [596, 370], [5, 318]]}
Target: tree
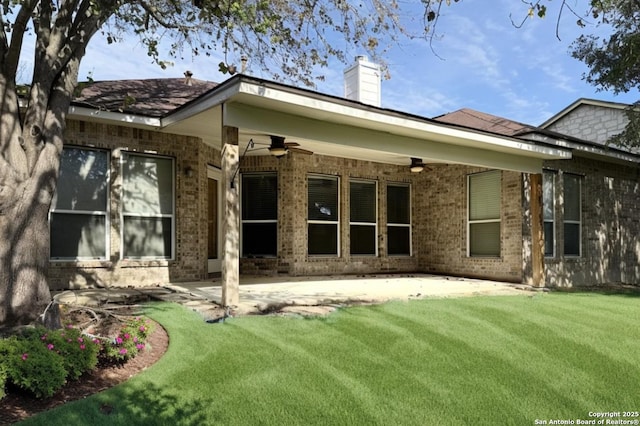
{"points": [[288, 38], [613, 61]]}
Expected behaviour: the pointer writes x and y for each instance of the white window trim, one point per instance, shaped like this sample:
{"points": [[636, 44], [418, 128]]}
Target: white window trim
{"points": [[325, 222], [106, 213], [578, 222], [472, 222], [402, 225], [243, 221], [373, 224], [173, 206]]}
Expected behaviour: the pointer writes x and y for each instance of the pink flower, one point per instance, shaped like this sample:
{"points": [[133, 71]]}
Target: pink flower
{"points": [[80, 340], [142, 328], [69, 326], [140, 346], [123, 351], [118, 340], [127, 336], [50, 346], [24, 356], [82, 346], [96, 341], [44, 337]]}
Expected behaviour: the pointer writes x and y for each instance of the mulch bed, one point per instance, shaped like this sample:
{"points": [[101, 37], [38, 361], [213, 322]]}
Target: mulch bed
{"points": [[17, 405]]}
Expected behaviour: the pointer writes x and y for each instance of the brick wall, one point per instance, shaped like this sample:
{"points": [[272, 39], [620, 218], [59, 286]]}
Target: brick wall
{"points": [[438, 201], [190, 243], [442, 229], [610, 226]]}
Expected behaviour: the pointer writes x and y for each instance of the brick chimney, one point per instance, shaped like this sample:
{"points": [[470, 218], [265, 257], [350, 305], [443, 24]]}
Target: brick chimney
{"points": [[362, 82]]}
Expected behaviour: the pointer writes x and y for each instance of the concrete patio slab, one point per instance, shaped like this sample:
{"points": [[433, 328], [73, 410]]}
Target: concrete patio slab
{"points": [[265, 294]]}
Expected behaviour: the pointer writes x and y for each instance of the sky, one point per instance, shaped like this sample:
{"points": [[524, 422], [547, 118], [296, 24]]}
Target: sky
{"points": [[481, 61]]}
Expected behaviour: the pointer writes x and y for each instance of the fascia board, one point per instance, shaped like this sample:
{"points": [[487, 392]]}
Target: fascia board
{"points": [[95, 114]]}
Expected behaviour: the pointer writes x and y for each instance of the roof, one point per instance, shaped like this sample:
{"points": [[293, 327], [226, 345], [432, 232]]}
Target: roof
{"points": [[325, 124], [477, 120], [150, 97]]}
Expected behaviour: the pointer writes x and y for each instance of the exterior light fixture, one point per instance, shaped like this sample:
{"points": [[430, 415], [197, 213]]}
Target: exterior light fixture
{"points": [[416, 165], [277, 148]]}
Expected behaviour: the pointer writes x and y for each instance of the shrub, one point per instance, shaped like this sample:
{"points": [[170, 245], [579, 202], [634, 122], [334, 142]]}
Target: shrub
{"points": [[4, 349], [131, 339], [32, 366], [78, 352]]}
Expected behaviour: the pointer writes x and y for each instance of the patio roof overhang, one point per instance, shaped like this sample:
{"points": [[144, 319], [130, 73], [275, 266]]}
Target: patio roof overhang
{"points": [[334, 126]]}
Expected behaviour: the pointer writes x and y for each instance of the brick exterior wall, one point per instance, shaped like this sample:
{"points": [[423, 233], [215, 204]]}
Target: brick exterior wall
{"points": [[610, 226], [611, 199], [191, 215], [442, 226]]}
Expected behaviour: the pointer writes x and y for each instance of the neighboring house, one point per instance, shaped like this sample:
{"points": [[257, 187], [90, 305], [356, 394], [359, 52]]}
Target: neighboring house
{"points": [[176, 179]]}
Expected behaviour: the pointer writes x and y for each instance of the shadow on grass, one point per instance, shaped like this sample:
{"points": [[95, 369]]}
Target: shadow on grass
{"points": [[142, 404], [605, 290]]}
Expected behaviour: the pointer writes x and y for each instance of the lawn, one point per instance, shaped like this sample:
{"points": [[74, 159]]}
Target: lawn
{"points": [[482, 360]]}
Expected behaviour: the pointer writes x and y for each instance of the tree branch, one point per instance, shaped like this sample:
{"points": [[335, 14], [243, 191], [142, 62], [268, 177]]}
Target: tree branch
{"points": [[12, 58]]}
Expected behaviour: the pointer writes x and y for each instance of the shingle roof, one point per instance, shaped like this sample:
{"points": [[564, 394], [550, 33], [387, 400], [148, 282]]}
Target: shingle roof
{"points": [[482, 121], [149, 97]]}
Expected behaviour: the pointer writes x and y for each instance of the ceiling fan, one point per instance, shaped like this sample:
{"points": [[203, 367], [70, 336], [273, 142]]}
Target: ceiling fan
{"points": [[279, 147]]}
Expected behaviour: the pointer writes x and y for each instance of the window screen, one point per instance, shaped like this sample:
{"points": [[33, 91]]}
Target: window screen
{"points": [[259, 214], [322, 215], [398, 220], [484, 213], [363, 212], [147, 206], [572, 214], [78, 219], [548, 209]]}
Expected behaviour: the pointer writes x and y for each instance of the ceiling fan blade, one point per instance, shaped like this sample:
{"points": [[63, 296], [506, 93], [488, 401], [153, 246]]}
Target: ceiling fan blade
{"points": [[288, 144]]}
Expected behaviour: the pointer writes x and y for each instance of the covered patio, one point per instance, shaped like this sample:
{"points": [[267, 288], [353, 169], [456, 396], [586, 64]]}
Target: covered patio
{"points": [[244, 116]]}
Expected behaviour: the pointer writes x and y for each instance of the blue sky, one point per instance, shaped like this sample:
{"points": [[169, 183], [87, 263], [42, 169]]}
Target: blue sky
{"points": [[483, 62]]}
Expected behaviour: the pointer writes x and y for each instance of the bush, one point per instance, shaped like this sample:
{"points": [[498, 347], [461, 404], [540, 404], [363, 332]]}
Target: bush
{"points": [[130, 340], [79, 353], [4, 348], [40, 360], [32, 366]]}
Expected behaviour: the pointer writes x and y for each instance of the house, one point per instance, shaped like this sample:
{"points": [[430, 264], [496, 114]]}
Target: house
{"points": [[176, 179]]}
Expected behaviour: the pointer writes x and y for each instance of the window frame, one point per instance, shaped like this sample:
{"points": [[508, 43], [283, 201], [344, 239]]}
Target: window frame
{"points": [[408, 225], [257, 221], [123, 160], [579, 180], [335, 223], [373, 224], [91, 213], [497, 220]]}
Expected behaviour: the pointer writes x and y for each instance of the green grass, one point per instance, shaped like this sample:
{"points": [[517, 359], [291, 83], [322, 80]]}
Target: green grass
{"points": [[484, 360]]}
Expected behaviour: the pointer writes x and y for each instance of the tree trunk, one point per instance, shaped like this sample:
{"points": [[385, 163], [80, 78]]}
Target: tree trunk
{"points": [[24, 251]]}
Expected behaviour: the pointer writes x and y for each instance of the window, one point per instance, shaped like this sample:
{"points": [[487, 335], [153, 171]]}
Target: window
{"points": [[147, 207], [572, 214], [484, 213], [548, 210], [398, 220], [322, 215], [259, 214], [79, 219], [363, 213]]}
